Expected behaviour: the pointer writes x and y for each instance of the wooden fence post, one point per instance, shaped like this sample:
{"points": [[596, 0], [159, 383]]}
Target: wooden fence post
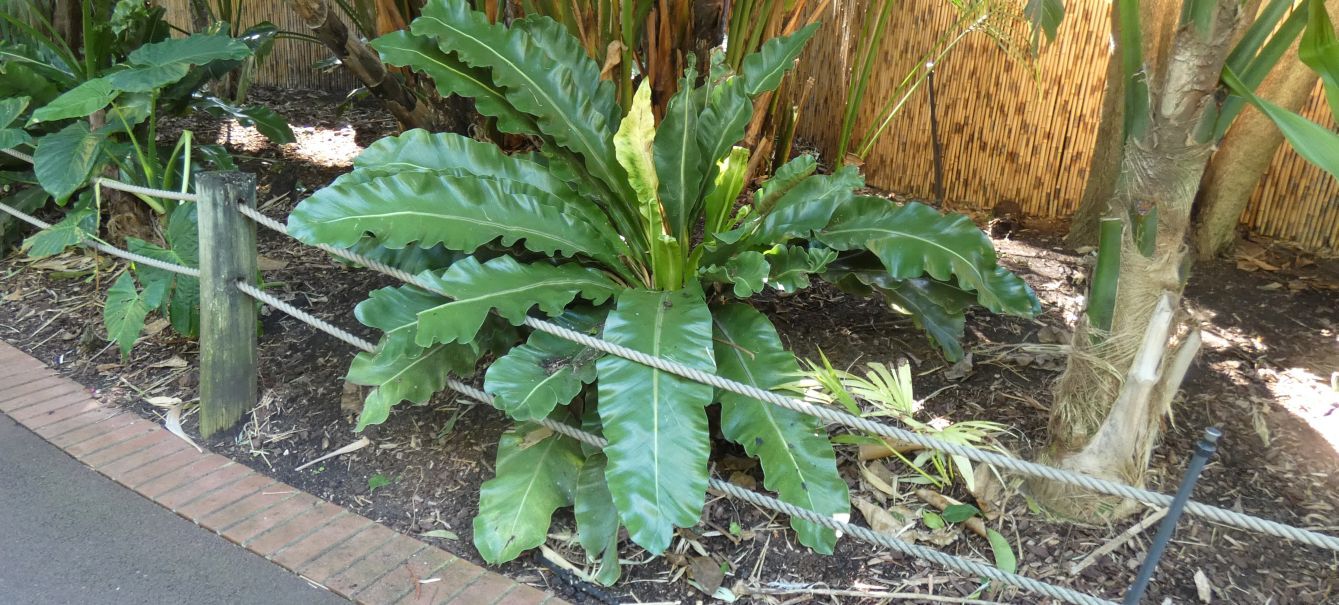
{"points": [[227, 315]]}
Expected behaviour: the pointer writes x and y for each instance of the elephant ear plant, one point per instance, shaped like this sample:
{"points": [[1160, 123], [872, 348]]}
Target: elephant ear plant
{"points": [[629, 231]]}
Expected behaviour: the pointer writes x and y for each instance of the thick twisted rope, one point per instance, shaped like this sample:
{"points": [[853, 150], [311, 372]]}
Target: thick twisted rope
{"points": [[834, 416], [101, 247], [959, 564], [115, 184]]}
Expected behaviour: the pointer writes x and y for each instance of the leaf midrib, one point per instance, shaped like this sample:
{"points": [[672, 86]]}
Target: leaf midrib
{"points": [[736, 350], [537, 90], [979, 276], [531, 233]]}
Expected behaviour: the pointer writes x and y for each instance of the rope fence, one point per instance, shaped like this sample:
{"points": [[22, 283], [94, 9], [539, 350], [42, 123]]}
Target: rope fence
{"points": [[828, 415]]}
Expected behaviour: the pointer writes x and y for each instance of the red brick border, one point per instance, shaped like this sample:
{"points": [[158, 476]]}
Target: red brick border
{"points": [[347, 553]]}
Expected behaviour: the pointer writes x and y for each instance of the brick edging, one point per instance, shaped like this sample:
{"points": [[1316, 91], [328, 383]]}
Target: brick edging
{"points": [[347, 553]]}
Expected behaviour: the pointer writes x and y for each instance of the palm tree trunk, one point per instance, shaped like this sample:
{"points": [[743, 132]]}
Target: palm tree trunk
{"points": [[1119, 383], [365, 65], [1246, 152]]}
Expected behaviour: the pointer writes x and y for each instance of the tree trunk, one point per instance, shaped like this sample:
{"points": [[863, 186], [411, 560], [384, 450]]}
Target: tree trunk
{"points": [[1246, 152], [364, 63], [67, 18], [1119, 383]]}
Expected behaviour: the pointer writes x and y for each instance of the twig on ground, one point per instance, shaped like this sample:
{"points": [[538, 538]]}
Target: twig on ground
{"points": [[1125, 536], [352, 447]]}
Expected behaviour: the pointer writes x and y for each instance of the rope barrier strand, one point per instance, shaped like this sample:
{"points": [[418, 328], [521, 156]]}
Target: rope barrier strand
{"points": [[104, 248], [1212, 513], [127, 187], [960, 564]]}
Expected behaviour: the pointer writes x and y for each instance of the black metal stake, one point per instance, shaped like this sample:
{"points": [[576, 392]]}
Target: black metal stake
{"points": [[1203, 450], [934, 134]]}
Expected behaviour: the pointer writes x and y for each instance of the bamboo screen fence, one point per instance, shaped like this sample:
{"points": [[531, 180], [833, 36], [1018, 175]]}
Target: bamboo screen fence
{"points": [[1008, 136], [291, 62], [1005, 134]]}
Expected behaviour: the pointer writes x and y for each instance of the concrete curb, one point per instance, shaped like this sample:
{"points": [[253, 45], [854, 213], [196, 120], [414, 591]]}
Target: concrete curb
{"points": [[347, 553]]}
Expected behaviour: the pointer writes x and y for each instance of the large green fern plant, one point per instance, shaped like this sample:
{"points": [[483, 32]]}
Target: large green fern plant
{"points": [[629, 231]]}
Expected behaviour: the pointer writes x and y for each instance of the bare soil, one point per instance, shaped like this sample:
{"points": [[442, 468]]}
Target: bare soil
{"points": [[1272, 343]]}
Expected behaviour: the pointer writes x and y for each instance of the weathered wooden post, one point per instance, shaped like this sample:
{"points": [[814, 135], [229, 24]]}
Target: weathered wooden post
{"points": [[227, 315]]}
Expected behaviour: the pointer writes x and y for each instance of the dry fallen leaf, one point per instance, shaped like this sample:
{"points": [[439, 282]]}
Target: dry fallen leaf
{"points": [[173, 424], [352, 447], [879, 520], [1202, 586], [535, 436], [265, 263], [172, 362], [707, 572]]}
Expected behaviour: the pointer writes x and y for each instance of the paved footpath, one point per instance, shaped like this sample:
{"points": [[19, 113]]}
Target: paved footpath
{"points": [[159, 522]]}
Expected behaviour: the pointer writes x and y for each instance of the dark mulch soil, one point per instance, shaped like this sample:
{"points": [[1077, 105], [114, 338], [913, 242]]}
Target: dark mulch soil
{"points": [[1271, 340]]}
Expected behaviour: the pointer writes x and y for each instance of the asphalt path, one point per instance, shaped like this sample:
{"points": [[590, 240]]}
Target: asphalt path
{"points": [[70, 535]]}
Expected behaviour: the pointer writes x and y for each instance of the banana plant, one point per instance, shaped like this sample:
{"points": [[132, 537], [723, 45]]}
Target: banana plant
{"points": [[634, 232]]}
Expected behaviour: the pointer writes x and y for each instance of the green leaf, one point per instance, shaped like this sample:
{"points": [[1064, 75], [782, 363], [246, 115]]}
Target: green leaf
{"points": [[64, 160], [597, 519], [182, 305], [932, 520], [28, 200], [1319, 50], [789, 175], [539, 80], [679, 166], [957, 513], [633, 148], [198, 49], [807, 206], [376, 482], [532, 379], [77, 102], [404, 374], [411, 259], [268, 123], [763, 70], [746, 271], [728, 182], [11, 108], [507, 287], [70, 231], [937, 307], [1045, 15], [123, 314], [394, 310], [1311, 141], [797, 459], [147, 78], [656, 422], [791, 266], [914, 240], [722, 123], [13, 137], [1005, 560], [533, 480], [454, 77], [461, 212]]}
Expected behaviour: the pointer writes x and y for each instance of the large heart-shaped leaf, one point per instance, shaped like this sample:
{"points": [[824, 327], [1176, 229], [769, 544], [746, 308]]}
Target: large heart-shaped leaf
{"points": [[460, 212], [77, 226], [198, 49], [11, 108], [77, 102], [507, 287], [532, 379], [125, 309], [64, 160], [656, 422], [147, 78], [532, 481], [797, 458], [914, 240]]}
